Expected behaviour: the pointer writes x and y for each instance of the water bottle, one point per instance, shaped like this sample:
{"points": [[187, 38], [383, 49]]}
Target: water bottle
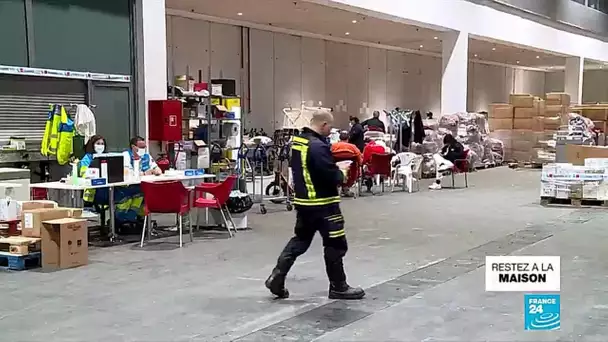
{"points": [[136, 169]]}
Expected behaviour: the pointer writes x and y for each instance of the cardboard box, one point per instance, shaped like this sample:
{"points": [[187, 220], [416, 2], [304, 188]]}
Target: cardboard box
{"points": [[500, 111], [556, 110], [500, 124], [551, 123], [557, 99], [65, 243], [593, 112], [538, 124], [31, 220], [576, 154], [521, 100], [525, 113], [521, 156], [73, 212], [523, 123], [523, 145], [30, 205]]}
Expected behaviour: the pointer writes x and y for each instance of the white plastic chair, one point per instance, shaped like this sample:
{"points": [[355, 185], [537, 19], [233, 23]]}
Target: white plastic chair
{"points": [[410, 165]]}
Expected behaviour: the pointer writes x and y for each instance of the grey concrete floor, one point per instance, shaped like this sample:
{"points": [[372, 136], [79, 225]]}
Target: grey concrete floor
{"points": [[419, 255]]}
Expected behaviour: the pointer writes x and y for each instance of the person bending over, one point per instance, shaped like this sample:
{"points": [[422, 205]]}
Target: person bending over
{"points": [[342, 151], [374, 123], [451, 151]]}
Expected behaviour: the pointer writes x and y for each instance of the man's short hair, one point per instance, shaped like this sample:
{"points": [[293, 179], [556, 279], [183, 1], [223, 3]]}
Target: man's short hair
{"points": [[344, 136], [135, 140], [320, 117]]}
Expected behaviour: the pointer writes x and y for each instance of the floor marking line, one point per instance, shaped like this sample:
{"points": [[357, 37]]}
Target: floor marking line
{"points": [[500, 246]]}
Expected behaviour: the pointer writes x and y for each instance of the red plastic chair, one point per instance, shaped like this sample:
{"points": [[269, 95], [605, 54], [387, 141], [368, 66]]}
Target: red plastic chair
{"points": [[165, 198], [380, 165], [221, 194], [461, 166]]}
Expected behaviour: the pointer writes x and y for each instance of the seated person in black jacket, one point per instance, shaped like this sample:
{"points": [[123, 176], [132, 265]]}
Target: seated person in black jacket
{"points": [[374, 123], [451, 151]]}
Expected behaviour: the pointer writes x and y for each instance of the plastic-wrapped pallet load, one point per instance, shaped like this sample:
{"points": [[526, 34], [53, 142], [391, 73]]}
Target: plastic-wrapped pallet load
{"points": [[567, 181]]}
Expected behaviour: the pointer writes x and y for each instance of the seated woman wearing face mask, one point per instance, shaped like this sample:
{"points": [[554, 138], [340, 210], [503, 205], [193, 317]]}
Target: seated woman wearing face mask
{"points": [[95, 145]]}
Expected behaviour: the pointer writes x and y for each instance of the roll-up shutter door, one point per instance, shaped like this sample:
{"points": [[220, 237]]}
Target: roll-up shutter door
{"points": [[24, 105]]}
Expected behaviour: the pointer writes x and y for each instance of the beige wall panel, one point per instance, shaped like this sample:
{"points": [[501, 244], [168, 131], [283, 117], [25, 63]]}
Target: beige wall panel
{"points": [[262, 81], [313, 71]]}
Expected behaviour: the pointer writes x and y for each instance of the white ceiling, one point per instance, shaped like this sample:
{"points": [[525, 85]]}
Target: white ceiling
{"points": [[340, 24]]}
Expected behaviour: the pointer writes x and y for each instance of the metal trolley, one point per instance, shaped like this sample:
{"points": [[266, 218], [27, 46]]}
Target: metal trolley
{"points": [[279, 190]]}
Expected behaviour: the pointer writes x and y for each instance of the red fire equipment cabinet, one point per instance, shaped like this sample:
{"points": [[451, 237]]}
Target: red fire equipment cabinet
{"points": [[165, 120]]}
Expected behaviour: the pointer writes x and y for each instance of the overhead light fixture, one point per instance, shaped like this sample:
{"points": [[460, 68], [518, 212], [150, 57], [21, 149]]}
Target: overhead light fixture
{"points": [[354, 21], [517, 62], [347, 33], [239, 14], [435, 38], [537, 57], [475, 55], [421, 46], [493, 49]]}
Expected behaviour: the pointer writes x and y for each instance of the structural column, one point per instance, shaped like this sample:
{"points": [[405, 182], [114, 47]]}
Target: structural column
{"points": [[573, 79], [455, 60], [151, 47]]}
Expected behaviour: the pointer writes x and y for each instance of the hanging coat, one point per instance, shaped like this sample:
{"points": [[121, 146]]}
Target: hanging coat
{"points": [[418, 128]]}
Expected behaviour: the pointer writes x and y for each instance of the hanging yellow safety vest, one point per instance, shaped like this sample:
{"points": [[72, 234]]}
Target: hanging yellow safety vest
{"points": [[50, 140], [58, 135]]}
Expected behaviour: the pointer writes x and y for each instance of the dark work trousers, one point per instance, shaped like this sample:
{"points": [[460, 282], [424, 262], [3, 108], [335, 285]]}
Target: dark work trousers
{"points": [[329, 222]]}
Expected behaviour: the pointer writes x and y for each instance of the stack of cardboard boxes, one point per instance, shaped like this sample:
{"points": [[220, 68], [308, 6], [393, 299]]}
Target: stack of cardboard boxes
{"points": [[526, 124], [64, 237]]}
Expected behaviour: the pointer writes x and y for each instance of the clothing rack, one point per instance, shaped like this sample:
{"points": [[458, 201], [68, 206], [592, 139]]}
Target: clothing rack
{"points": [[72, 105], [399, 117]]}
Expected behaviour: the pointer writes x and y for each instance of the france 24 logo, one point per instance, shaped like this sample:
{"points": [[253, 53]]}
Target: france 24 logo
{"points": [[542, 311]]}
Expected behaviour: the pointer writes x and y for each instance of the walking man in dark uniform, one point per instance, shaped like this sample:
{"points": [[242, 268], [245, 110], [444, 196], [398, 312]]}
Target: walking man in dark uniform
{"points": [[317, 201]]}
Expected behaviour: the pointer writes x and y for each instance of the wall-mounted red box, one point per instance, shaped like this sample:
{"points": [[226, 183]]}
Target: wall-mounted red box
{"points": [[165, 120]]}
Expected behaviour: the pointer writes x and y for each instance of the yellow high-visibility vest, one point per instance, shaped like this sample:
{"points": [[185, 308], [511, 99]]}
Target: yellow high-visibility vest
{"points": [[58, 135], [50, 140]]}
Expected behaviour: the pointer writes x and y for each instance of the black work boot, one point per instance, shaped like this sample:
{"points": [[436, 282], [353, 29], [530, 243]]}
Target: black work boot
{"points": [[276, 284], [342, 290]]}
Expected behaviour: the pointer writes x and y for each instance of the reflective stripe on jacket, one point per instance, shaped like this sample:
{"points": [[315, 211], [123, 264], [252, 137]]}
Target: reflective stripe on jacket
{"points": [[315, 175], [83, 165]]}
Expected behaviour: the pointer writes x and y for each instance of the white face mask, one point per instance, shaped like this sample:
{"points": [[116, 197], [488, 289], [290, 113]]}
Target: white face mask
{"points": [[141, 152], [100, 148]]}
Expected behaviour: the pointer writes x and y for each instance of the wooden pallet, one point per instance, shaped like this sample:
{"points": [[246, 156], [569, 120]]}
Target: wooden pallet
{"points": [[19, 245], [488, 166], [573, 202], [525, 165], [15, 262]]}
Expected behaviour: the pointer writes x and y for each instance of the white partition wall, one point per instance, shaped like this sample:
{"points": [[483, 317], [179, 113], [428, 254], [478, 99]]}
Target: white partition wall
{"points": [[573, 78]]}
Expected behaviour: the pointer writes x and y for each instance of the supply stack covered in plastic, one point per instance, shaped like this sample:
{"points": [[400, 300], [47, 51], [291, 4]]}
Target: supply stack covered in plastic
{"points": [[527, 126], [598, 114], [470, 129], [575, 185]]}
